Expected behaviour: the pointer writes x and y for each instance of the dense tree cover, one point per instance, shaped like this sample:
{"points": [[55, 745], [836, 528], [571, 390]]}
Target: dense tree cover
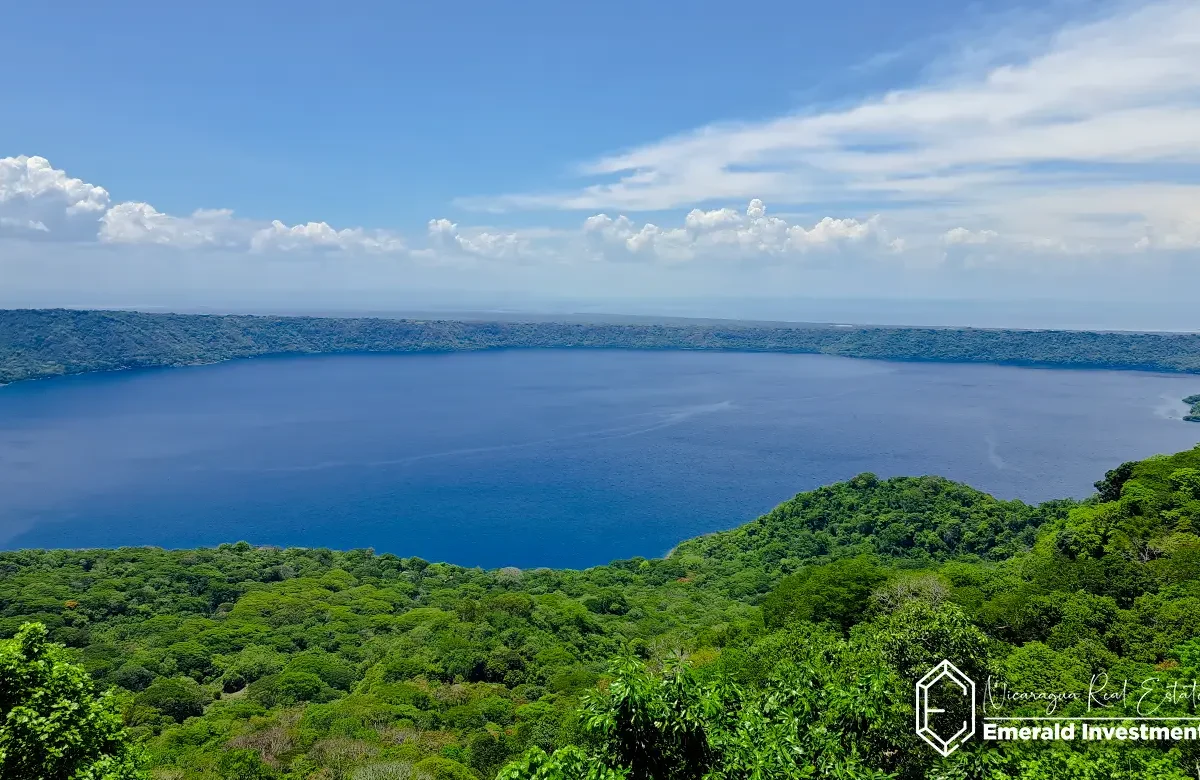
{"points": [[1194, 414], [43, 343], [784, 648], [914, 520]]}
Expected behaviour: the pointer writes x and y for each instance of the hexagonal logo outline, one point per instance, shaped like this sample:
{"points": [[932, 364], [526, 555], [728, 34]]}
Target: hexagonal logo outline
{"points": [[944, 745]]}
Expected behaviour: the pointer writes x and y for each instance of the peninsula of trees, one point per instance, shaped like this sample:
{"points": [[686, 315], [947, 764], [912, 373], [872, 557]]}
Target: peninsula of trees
{"points": [[1194, 414], [39, 343]]}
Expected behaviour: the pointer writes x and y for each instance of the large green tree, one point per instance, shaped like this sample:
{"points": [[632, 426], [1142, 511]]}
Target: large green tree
{"points": [[56, 726]]}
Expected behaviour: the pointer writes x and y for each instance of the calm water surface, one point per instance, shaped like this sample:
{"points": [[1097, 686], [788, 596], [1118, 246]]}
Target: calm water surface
{"points": [[556, 458]]}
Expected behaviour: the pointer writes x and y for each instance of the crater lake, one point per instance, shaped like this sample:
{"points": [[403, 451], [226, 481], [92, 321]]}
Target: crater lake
{"points": [[538, 458]]}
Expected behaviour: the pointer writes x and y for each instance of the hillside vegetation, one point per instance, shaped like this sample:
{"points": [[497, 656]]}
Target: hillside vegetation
{"points": [[43, 343], [785, 648]]}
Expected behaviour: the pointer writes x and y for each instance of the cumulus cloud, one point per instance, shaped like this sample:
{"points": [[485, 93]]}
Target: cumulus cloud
{"points": [[33, 178], [606, 227], [476, 242], [442, 229], [141, 223], [319, 235], [961, 235], [1111, 104], [719, 234], [704, 241], [830, 230], [729, 234], [39, 201], [707, 220], [35, 197]]}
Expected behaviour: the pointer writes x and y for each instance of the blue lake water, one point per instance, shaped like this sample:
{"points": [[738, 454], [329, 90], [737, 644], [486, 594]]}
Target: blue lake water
{"points": [[528, 458]]}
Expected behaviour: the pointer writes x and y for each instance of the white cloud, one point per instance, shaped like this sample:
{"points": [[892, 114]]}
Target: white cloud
{"points": [[830, 230], [726, 234], [1113, 103], [33, 178], [961, 235], [39, 201], [477, 242], [706, 220], [24, 225], [319, 235], [442, 229], [492, 244], [141, 223], [606, 227], [36, 197], [672, 244]]}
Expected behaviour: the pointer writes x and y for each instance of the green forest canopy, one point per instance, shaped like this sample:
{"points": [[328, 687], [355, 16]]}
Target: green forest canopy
{"points": [[787, 647], [37, 343]]}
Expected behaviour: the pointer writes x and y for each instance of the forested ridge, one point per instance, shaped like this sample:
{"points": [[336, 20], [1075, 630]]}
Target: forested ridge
{"points": [[38, 343], [785, 648]]}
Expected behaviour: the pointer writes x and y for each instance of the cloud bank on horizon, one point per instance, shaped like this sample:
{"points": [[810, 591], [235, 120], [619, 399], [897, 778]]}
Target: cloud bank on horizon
{"points": [[1081, 154], [42, 203]]}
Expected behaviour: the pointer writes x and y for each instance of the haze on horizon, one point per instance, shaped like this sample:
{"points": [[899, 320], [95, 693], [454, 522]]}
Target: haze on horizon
{"points": [[1026, 165]]}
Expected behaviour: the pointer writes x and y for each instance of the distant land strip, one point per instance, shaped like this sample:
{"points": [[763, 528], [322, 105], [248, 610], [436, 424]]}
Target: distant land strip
{"points": [[41, 343]]}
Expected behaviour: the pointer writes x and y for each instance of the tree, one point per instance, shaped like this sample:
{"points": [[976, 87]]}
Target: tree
{"points": [[1109, 488], [177, 697], [298, 686], [191, 658], [133, 677], [487, 752], [243, 765], [331, 669], [810, 720], [248, 665], [651, 727], [1187, 482], [837, 593], [569, 763], [55, 724], [438, 768]]}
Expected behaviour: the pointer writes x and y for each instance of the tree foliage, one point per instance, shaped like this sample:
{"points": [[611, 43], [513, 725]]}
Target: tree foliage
{"points": [[55, 726]]}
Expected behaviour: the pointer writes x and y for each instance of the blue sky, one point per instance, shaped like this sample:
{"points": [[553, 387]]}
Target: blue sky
{"points": [[217, 154], [382, 113]]}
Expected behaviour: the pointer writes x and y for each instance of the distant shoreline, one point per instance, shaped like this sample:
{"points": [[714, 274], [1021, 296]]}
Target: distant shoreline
{"points": [[46, 343], [402, 353]]}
